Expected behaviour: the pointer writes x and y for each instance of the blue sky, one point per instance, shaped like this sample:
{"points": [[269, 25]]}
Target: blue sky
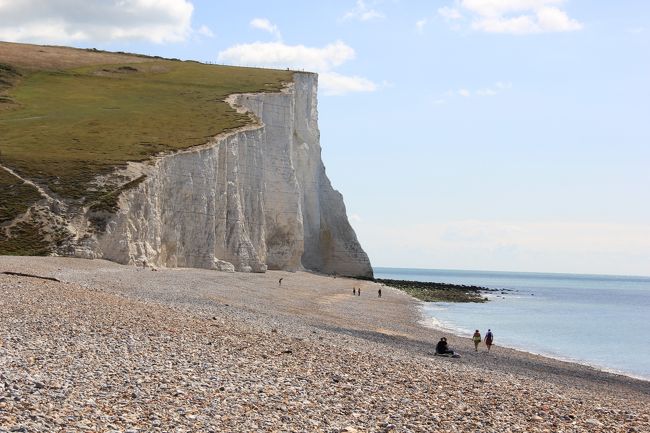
{"points": [[467, 134]]}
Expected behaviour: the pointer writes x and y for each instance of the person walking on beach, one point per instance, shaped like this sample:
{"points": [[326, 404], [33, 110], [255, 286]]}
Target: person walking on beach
{"points": [[354, 291], [280, 281], [488, 339], [476, 338], [359, 291], [379, 292]]}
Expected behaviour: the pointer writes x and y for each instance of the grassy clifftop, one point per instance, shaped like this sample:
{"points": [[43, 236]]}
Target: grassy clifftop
{"points": [[69, 115]]}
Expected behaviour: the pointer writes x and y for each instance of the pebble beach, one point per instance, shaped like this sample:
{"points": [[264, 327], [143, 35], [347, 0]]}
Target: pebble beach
{"points": [[94, 346]]}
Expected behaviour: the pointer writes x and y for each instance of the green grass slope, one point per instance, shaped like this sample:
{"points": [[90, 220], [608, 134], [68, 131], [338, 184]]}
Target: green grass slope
{"points": [[69, 115]]}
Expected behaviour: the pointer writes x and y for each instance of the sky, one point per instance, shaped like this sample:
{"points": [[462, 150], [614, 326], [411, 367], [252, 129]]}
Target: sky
{"points": [[507, 135]]}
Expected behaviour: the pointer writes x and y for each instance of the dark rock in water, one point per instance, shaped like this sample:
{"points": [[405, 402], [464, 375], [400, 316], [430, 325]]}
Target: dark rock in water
{"points": [[439, 292]]}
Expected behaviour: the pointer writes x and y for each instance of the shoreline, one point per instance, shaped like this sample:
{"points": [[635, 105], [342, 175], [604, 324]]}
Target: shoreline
{"points": [[239, 352], [412, 326], [440, 327], [432, 321]]}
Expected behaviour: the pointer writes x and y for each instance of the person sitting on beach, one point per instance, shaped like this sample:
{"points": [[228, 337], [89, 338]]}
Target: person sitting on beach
{"points": [[442, 348], [476, 338], [488, 339]]}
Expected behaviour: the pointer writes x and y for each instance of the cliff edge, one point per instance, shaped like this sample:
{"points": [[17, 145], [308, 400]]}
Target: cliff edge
{"points": [[250, 200], [145, 160]]}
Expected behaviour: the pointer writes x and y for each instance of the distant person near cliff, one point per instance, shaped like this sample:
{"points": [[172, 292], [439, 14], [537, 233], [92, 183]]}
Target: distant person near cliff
{"points": [[476, 338], [489, 338], [379, 292]]}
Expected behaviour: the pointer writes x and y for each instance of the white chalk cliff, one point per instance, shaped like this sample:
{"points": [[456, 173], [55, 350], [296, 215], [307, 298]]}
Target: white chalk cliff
{"points": [[254, 199]]}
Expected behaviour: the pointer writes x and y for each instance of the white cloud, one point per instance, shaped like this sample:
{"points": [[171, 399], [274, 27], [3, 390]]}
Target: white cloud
{"points": [[205, 31], [281, 55], [498, 87], [493, 90], [449, 14], [486, 92], [322, 60], [452, 16], [267, 26], [514, 16], [362, 12], [61, 21], [517, 25], [333, 83], [419, 25], [503, 7], [552, 19]]}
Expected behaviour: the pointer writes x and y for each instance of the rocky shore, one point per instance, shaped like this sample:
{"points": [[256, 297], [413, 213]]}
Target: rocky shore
{"points": [[439, 292], [111, 348]]}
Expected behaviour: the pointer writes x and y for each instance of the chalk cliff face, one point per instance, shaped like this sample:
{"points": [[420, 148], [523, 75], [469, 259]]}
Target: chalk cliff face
{"points": [[254, 199]]}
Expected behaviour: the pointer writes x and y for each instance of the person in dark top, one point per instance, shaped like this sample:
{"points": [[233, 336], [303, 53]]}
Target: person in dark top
{"points": [[280, 281], [354, 291], [442, 348], [379, 292], [489, 339]]}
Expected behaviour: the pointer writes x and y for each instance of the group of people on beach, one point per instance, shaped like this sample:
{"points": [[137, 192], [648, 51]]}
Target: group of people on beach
{"points": [[357, 292], [489, 338], [442, 348]]}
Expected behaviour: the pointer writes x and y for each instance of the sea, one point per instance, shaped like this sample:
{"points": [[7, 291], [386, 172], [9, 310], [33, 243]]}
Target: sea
{"points": [[599, 320]]}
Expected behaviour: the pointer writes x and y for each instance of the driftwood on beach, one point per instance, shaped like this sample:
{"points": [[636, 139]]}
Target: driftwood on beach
{"points": [[22, 274]]}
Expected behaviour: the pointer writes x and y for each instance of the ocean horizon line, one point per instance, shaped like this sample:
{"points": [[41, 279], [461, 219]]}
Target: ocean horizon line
{"points": [[485, 271]]}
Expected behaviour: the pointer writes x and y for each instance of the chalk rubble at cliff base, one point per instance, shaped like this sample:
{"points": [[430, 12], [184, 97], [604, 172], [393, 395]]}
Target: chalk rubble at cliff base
{"points": [[74, 357]]}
